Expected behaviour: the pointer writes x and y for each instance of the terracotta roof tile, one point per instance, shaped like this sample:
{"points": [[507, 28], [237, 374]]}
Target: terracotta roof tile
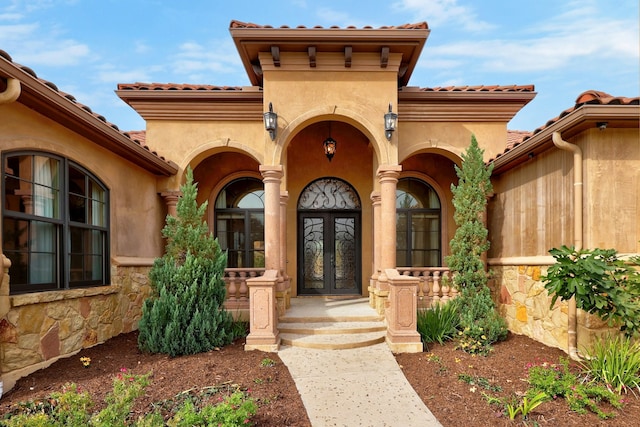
{"points": [[481, 88], [589, 97], [515, 137], [417, 26], [175, 86], [139, 139]]}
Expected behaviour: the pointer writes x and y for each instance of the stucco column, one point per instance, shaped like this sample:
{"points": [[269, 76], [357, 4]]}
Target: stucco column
{"points": [[271, 177], [171, 199], [388, 177], [375, 202], [285, 285]]}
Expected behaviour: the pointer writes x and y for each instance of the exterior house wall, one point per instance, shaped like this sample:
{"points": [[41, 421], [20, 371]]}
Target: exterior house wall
{"points": [[532, 211], [38, 328]]}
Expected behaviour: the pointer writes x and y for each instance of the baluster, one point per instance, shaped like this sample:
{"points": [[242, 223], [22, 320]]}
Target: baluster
{"points": [[231, 291], [436, 288], [244, 289], [445, 290], [454, 291]]}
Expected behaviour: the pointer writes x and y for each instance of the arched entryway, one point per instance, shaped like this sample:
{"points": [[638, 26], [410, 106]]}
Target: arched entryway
{"points": [[329, 242]]}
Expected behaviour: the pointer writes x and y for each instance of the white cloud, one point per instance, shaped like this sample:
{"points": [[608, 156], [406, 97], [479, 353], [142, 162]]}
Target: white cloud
{"points": [[218, 56], [562, 41], [443, 12]]}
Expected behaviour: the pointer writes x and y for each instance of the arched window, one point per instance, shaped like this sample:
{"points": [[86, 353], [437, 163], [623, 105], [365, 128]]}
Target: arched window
{"points": [[239, 219], [55, 225], [418, 233]]}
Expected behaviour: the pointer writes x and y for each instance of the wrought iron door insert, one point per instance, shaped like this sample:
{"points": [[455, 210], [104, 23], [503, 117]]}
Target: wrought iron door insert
{"points": [[329, 239]]}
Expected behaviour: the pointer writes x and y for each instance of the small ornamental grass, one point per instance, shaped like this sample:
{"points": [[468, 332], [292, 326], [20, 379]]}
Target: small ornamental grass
{"points": [[614, 362], [439, 323]]}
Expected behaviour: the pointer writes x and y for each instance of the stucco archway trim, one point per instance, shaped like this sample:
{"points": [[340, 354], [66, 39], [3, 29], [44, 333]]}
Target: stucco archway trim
{"points": [[375, 133], [433, 146], [202, 151]]}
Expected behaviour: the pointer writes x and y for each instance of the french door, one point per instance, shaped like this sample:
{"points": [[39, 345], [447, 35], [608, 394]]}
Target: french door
{"points": [[329, 252]]}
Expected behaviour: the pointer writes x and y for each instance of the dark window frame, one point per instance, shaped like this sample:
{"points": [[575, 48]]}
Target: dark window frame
{"points": [[64, 225]]}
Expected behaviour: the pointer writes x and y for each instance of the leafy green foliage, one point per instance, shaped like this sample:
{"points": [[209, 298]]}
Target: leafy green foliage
{"points": [[470, 202], [614, 362], [557, 381], [602, 284], [186, 314], [71, 408], [439, 323], [525, 405]]}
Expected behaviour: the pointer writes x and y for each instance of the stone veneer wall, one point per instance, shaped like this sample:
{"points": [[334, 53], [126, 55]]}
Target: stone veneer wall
{"points": [[525, 304], [39, 328]]}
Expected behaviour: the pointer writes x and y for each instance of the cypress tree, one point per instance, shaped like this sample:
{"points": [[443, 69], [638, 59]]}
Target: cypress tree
{"points": [[186, 314], [480, 323]]}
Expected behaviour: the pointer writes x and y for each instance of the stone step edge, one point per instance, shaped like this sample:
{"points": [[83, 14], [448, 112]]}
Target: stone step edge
{"points": [[310, 330], [321, 319], [300, 343]]}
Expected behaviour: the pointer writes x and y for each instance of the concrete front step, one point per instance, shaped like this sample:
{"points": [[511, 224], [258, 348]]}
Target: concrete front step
{"points": [[332, 334], [333, 341]]}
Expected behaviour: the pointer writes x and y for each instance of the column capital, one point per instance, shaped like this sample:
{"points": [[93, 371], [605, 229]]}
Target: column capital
{"points": [[386, 172], [376, 197], [284, 197], [271, 172]]}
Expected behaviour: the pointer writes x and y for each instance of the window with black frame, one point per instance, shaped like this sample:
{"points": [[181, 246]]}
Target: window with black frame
{"points": [[239, 222], [418, 226], [54, 223]]}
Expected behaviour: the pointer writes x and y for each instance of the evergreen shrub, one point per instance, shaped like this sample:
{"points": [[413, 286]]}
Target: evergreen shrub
{"points": [[186, 314]]}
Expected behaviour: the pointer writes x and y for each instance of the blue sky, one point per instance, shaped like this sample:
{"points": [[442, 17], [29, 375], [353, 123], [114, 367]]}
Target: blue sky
{"points": [[87, 47]]}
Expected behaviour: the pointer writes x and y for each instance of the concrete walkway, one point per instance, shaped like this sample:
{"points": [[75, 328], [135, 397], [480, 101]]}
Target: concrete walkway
{"points": [[355, 387]]}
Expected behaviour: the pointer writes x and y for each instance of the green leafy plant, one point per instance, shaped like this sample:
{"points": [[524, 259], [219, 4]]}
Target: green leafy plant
{"points": [[267, 362], [557, 381], [480, 323], [526, 405], [439, 323], [126, 388], [186, 314], [614, 362], [601, 282], [479, 381]]}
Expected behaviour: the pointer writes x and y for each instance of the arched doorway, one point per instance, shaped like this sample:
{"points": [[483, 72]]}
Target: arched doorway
{"points": [[329, 239]]}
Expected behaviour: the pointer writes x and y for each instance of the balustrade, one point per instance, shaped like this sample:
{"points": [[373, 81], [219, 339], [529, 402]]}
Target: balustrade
{"points": [[434, 286], [237, 289]]}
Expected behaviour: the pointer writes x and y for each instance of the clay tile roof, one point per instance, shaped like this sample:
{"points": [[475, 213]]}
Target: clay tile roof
{"points": [[139, 140], [175, 86], [482, 88], [515, 137], [418, 26], [589, 97]]}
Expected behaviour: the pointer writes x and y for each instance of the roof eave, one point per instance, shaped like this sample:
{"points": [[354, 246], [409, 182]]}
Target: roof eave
{"points": [[585, 117], [52, 104]]}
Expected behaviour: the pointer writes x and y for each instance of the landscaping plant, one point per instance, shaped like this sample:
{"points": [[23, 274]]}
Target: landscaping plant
{"points": [[439, 323], [480, 323], [186, 314], [601, 282], [614, 362]]}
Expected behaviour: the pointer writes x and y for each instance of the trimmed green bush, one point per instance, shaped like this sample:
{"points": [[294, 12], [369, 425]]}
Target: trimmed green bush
{"points": [[186, 313]]}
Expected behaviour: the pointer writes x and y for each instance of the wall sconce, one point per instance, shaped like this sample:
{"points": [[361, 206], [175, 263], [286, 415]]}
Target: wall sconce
{"points": [[390, 123], [271, 122], [329, 147]]}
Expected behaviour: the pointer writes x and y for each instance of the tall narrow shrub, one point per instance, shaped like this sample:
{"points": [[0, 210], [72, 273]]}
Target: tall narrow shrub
{"points": [[185, 314], [480, 323]]}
